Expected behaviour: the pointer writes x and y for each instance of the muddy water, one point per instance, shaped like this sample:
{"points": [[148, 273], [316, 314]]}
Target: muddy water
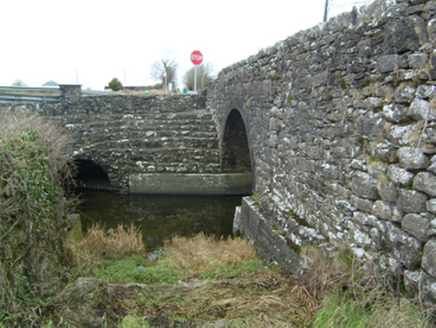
{"points": [[160, 217]]}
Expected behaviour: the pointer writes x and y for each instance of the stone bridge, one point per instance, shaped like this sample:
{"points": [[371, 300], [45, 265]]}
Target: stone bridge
{"points": [[340, 121], [337, 125], [164, 144]]}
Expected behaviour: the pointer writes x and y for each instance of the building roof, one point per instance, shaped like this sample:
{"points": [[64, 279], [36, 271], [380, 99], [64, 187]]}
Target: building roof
{"points": [[50, 83]]}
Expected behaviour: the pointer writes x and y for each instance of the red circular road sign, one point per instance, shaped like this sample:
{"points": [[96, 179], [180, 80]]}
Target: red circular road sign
{"points": [[196, 57]]}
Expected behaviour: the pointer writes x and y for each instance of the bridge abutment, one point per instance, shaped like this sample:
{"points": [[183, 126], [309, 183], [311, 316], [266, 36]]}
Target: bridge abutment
{"points": [[340, 123]]}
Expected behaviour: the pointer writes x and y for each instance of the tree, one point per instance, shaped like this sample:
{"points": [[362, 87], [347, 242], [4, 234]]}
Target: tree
{"points": [[19, 83], [165, 70], [115, 85], [204, 76]]}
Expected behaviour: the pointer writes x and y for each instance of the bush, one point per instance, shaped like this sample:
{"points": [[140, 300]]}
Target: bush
{"points": [[32, 217]]}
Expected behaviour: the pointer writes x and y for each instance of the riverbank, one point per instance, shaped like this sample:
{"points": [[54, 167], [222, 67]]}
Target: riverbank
{"points": [[108, 279], [207, 282]]}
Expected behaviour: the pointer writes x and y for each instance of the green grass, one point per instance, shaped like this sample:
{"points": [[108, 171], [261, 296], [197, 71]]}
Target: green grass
{"points": [[130, 271], [340, 313]]}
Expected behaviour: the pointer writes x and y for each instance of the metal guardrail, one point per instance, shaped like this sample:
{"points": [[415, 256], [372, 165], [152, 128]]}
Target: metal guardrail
{"points": [[29, 89], [31, 99], [36, 95], [31, 95]]}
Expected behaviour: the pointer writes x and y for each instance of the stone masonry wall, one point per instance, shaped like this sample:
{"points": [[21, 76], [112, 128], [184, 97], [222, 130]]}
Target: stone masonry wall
{"points": [[129, 135], [341, 122]]}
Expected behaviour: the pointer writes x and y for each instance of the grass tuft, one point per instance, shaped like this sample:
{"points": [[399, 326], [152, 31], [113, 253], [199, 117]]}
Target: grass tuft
{"points": [[112, 244], [209, 256]]}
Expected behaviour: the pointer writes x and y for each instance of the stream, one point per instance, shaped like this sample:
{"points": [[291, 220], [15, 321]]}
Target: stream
{"points": [[160, 217]]}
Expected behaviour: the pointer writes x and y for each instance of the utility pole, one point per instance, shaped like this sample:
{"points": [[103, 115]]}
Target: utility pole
{"points": [[326, 9]]}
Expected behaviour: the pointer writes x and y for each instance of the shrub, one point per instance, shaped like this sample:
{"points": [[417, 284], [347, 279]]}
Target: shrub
{"points": [[32, 216]]}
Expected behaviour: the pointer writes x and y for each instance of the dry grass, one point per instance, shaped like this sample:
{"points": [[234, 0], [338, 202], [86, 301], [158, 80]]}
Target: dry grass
{"points": [[356, 294], [113, 244], [335, 291], [151, 92], [199, 252]]}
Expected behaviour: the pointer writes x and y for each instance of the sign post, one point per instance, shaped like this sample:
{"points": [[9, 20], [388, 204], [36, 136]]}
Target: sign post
{"points": [[197, 59]]}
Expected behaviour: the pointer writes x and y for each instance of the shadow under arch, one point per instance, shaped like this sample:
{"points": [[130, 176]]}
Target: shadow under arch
{"points": [[88, 175], [235, 151]]}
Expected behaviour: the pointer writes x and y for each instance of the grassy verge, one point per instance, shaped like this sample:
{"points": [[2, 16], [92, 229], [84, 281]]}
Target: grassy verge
{"points": [[203, 281]]}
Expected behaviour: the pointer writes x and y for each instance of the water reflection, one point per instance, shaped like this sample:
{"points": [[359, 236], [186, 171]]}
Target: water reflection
{"points": [[160, 217]]}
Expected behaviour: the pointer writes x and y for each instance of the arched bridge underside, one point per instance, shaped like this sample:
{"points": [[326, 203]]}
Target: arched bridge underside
{"points": [[235, 152]]}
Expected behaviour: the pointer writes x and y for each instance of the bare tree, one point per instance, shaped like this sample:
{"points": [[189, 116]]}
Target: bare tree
{"points": [[165, 70], [204, 76]]}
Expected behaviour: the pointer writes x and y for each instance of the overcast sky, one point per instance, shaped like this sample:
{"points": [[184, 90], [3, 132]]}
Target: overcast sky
{"points": [[93, 41]]}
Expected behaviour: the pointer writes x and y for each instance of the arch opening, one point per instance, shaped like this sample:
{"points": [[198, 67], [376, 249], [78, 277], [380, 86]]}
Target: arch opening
{"points": [[88, 175], [235, 156]]}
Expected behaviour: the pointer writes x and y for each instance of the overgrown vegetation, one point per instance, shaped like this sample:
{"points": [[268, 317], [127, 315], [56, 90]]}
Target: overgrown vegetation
{"points": [[206, 281], [32, 218], [353, 294]]}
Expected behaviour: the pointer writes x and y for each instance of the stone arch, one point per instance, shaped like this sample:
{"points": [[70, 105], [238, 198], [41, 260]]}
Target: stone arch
{"points": [[88, 175], [236, 154]]}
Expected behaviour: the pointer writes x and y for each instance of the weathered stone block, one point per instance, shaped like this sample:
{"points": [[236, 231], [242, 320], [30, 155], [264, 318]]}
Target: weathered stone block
{"points": [[399, 175], [411, 201], [385, 151], [421, 110], [404, 94], [364, 185], [416, 225], [431, 205], [270, 245], [429, 258], [425, 182], [412, 158], [366, 221], [383, 210], [417, 60], [387, 190], [394, 112], [387, 63], [404, 248], [412, 281], [431, 29], [425, 91], [362, 204], [401, 134], [360, 239], [429, 287]]}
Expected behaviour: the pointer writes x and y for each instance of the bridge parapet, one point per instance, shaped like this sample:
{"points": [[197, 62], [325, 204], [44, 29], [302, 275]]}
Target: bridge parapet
{"points": [[341, 124], [127, 135]]}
